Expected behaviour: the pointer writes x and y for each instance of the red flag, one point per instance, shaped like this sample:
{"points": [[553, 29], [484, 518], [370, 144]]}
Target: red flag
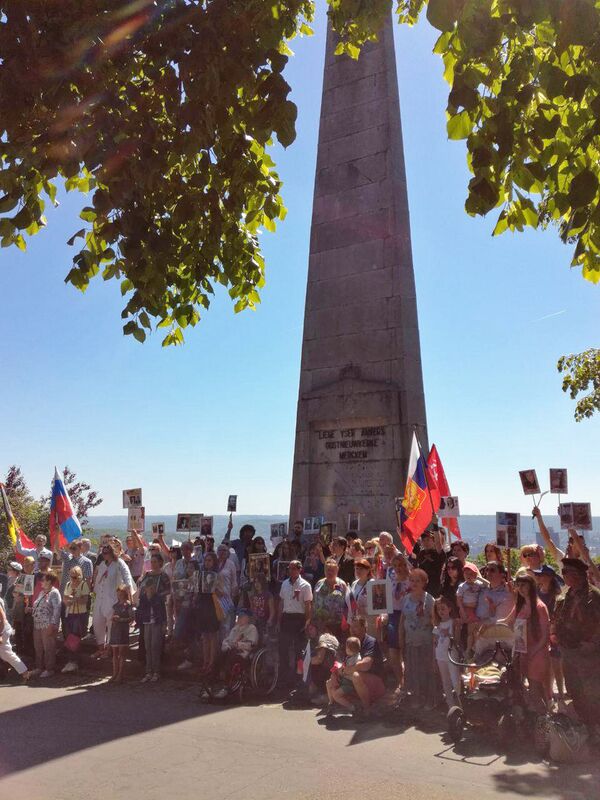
{"points": [[437, 474]]}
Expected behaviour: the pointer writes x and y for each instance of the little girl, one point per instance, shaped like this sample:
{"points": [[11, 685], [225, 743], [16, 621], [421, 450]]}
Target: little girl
{"points": [[449, 672], [342, 673], [467, 597], [119, 631]]}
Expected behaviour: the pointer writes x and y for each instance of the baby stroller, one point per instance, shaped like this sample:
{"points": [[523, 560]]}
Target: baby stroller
{"points": [[492, 696]]}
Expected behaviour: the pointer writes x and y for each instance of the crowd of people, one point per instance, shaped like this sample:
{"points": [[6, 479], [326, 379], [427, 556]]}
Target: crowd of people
{"points": [[208, 607]]}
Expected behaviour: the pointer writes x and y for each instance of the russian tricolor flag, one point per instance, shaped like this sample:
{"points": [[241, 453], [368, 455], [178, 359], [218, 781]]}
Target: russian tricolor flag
{"points": [[64, 525]]}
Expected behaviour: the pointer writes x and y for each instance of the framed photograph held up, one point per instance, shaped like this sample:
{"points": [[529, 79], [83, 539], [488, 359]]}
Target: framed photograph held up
{"points": [[582, 516], [529, 481], [559, 481], [449, 507], [379, 597], [132, 498], [183, 523], [282, 571], [259, 564], [353, 522], [136, 519], [232, 503], [158, 529], [508, 529]]}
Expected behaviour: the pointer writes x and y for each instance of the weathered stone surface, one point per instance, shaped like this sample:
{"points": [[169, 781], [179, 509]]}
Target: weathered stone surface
{"points": [[361, 386]]}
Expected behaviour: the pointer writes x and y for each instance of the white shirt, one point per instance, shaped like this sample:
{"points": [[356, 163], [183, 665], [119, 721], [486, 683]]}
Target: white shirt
{"points": [[228, 577], [294, 596], [443, 632], [108, 577]]}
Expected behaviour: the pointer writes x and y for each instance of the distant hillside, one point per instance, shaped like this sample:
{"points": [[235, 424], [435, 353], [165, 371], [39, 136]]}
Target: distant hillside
{"points": [[476, 529]]}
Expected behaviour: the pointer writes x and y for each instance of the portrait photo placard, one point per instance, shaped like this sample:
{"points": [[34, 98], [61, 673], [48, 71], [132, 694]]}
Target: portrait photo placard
{"points": [[158, 529], [259, 564], [529, 481], [278, 530], [195, 522], [232, 503], [582, 516], [508, 529], [28, 585], [379, 597], [183, 523], [282, 571], [326, 533], [136, 519], [206, 526], [353, 522], [449, 507], [132, 498], [559, 482]]}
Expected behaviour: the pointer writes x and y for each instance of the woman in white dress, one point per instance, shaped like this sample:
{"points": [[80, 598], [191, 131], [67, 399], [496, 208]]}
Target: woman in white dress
{"points": [[112, 572]]}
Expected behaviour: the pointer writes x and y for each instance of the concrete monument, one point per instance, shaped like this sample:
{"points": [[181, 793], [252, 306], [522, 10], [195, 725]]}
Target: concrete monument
{"points": [[361, 384]]}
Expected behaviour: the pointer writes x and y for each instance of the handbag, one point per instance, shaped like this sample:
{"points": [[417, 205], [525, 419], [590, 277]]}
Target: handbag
{"points": [[72, 642]]}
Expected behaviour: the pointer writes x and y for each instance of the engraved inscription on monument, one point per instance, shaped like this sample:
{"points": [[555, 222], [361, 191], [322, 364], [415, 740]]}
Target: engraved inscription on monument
{"points": [[358, 443]]}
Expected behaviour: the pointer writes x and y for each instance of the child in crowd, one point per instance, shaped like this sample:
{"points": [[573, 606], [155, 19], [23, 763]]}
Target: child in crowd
{"points": [[443, 631], [467, 598], [342, 673], [549, 585], [261, 603], [417, 641], [119, 631]]}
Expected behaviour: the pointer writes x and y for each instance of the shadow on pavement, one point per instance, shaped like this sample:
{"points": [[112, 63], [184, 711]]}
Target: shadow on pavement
{"points": [[88, 715], [564, 782]]}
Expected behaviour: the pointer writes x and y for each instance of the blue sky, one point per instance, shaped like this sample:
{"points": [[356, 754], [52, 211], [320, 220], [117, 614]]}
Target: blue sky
{"points": [[194, 424]]}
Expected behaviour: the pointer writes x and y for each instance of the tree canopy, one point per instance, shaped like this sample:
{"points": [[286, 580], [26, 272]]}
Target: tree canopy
{"points": [[33, 515], [162, 112]]}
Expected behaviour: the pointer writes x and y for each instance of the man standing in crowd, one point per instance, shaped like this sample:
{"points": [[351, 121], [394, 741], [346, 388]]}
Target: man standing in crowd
{"points": [[431, 559], [576, 626], [344, 561], [72, 557], [295, 607], [86, 550], [240, 546], [34, 552]]}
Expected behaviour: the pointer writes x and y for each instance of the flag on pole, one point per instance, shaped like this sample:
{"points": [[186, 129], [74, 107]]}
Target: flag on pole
{"points": [[420, 498], [15, 534], [64, 525], [438, 476]]}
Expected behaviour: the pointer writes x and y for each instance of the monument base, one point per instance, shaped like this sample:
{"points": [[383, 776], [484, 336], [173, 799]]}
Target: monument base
{"points": [[349, 454]]}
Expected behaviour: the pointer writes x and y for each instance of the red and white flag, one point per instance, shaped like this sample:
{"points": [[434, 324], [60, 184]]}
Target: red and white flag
{"points": [[437, 474]]}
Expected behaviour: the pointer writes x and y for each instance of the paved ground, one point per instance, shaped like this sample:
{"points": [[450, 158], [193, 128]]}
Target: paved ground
{"points": [[74, 741]]}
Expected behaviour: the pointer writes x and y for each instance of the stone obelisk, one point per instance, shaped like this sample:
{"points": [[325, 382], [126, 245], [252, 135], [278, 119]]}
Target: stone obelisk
{"points": [[361, 383]]}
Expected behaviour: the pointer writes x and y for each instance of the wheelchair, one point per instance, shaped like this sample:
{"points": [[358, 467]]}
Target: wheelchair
{"points": [[256, 676]]}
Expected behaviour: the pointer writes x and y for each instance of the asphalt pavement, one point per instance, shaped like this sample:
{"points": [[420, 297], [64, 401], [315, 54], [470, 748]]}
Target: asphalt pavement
{"points": [[68, 739]]}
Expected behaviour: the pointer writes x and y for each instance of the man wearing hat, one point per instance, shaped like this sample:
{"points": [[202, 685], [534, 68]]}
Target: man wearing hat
{"points": [[576, 630]]}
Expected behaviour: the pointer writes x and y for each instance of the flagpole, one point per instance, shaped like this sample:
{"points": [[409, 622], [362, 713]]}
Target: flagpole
{"points": [[425, 470]]}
